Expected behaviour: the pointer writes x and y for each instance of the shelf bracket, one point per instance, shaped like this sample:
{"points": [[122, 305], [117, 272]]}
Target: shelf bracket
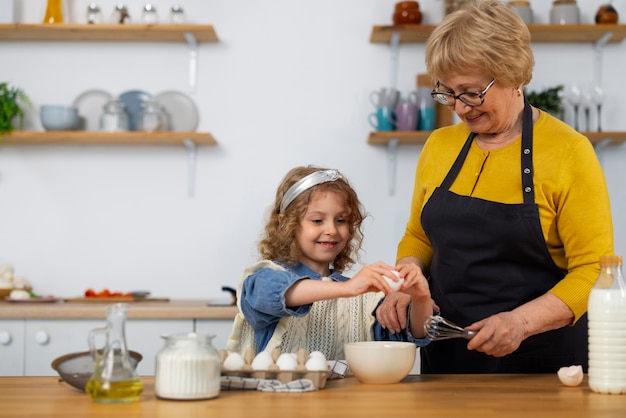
{"points": [[392, 156], [598, 47], [395, 47], [193, 60], [192, 157]]}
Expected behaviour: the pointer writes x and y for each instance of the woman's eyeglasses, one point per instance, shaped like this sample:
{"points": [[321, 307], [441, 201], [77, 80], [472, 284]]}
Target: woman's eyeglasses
{"points": [[469, 98]]}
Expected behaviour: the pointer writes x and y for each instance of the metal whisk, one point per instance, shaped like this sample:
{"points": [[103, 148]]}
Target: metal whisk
{"points": [[438, 328]]}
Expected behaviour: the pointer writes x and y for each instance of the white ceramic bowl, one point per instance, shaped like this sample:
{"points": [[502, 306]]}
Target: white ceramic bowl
{"points": [[59, 117], [380, 361]]}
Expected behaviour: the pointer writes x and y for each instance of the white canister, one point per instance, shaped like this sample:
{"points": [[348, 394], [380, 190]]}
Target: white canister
{"points": [[187, 367], [564, 14], [524, 10]]}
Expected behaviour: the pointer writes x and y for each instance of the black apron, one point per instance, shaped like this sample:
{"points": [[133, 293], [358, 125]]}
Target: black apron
{"points": [[491, 257]]}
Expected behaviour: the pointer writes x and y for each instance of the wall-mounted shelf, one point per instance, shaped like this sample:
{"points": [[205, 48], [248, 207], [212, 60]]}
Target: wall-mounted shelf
{"points": [[106, 32], [419, 137], [189, 140], [538, 33], [104, 138], [192, 35]]}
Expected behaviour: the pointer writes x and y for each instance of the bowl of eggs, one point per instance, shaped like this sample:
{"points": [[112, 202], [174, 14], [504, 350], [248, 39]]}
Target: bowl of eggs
{"points": [[380, 361], [284, 367]]}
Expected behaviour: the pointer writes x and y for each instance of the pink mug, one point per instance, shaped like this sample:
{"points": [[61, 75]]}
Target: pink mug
{"points": [[406, 116]]}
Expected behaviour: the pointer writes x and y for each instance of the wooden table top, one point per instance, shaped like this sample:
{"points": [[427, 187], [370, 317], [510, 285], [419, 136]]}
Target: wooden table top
{"points": [[426, 396]]}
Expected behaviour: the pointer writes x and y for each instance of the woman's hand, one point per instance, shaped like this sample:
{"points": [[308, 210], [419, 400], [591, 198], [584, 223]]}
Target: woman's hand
{"points": [[392, 312], [498, 335], [501, 334]]}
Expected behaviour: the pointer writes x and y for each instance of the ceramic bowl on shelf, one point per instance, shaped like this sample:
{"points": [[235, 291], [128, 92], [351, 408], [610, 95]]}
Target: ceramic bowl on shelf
{"points": [[59, 117], [380, 361]]}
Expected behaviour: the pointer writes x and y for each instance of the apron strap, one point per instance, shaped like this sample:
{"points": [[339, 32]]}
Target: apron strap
{"points": [[527, 154]]}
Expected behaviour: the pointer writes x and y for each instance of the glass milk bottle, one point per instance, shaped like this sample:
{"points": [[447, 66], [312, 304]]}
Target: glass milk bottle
{"points": [[187, 367], [607, 328]]}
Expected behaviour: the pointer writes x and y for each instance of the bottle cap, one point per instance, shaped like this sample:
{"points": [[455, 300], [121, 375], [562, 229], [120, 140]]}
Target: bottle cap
{"points": [[611, 260]]}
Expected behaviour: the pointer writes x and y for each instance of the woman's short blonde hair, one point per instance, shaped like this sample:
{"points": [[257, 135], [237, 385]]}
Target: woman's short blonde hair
{"points": [[485, 37]]}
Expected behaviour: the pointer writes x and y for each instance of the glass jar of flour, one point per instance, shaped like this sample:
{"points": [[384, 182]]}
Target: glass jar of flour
{"points": [[187, 367]]}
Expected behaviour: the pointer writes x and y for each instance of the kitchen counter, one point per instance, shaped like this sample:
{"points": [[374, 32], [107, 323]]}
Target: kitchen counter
{"points": [[440, 396], [175, 309]]}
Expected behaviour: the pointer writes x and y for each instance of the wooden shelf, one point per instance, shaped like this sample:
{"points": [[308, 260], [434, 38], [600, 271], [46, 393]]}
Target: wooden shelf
{"points": [[106, 32], [419, 137], [539, 33], [104, 138]]}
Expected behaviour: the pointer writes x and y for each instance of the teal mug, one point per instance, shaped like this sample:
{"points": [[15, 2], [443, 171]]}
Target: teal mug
{"points": [[383, 119]]}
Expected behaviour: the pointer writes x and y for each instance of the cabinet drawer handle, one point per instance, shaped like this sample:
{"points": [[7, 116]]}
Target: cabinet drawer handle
{"points": [[42, 337], [5, 338]]}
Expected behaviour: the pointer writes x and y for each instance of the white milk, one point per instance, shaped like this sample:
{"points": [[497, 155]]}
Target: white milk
{"points": [[607, 340]]}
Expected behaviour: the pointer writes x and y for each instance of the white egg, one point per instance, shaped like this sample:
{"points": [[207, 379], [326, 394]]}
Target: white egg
{"points": [[394, 285], [317, 354], [287, 361], [262, 361], [571, 376], [316, 364], [233, 361], [19, 294]]}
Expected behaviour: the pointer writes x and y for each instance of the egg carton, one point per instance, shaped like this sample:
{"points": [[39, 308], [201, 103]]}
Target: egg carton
{"points": [[273, 372]]}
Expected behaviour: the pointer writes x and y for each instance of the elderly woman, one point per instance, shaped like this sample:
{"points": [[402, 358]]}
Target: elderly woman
{"points": [[510, 210]]}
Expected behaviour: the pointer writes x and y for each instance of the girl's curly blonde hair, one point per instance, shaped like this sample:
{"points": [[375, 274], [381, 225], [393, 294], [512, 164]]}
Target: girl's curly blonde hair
{"points": [[280, 243]]}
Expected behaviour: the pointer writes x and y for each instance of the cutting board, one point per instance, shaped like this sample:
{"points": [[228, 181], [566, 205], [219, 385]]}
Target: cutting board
{"points": [[115, 300]]}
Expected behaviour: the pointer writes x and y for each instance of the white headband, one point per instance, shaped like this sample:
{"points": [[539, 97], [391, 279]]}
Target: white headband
{"points": [[305, 183]]}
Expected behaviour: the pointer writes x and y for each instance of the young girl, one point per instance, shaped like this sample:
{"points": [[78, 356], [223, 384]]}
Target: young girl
{"points": [[296, 297]]}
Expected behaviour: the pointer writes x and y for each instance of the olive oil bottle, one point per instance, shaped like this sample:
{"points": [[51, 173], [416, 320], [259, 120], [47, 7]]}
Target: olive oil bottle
{"points": [[114, 379]]}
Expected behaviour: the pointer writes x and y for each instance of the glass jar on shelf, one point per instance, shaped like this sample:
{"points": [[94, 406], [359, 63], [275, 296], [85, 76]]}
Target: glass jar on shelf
{"points": [[120, 14], [177, 15], [114, 117], [150, 14], [152, 117], [94, 15]]}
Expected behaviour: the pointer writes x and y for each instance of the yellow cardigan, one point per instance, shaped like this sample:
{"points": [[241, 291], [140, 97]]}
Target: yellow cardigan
{"points": [[570, 190]]}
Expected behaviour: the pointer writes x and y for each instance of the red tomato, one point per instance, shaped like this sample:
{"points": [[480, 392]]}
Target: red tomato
{"points": [[90, 293]]}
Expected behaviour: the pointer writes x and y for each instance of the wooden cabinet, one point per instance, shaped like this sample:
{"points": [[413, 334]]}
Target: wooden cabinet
{"points": [[12, 347], [28, 346], [32, 335]]}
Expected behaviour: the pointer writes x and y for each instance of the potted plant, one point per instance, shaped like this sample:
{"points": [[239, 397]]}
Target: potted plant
{"points": [[549, 100], [12, 100]]}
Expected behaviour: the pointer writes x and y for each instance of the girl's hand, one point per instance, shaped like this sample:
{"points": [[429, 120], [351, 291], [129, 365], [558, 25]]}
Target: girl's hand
{"points": [[370, 279]]}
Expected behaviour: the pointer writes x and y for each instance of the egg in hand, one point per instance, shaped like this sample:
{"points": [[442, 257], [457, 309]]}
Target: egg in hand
{"points": [[395, 286]]}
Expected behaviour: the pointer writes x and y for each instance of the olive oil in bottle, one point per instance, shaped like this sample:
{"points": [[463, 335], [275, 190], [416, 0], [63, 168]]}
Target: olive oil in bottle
{"points": [[109, 392]]}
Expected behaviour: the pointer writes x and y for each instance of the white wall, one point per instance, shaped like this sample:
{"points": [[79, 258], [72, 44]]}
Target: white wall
{"points": [[286, 85]]}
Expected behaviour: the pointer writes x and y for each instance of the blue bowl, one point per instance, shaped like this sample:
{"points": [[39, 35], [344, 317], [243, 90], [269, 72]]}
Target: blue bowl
{"points": [[59, 117]]}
